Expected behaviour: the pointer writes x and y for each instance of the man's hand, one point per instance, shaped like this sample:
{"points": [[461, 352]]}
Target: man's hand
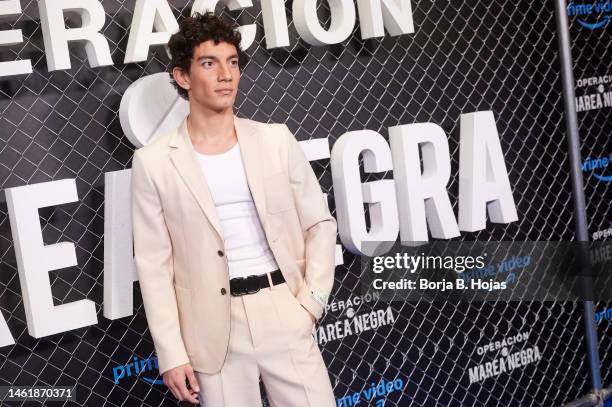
{"points": [[312, 317], [175, 379]]}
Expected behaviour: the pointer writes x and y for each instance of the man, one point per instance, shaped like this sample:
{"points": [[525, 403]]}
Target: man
{"points": [[233, 241]]}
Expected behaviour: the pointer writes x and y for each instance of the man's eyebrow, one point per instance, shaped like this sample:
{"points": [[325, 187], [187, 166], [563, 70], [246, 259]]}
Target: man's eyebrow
{"points": [[215, 58]]}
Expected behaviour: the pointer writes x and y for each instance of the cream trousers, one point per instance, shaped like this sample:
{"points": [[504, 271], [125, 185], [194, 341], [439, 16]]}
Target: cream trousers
{"points": [[271, 337]]}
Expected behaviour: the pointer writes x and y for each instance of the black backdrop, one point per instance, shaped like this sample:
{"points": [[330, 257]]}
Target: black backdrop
{"points": [[463, 57]]}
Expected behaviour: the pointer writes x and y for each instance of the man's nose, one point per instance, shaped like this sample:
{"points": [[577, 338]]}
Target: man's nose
{"points": [[224, 72]]}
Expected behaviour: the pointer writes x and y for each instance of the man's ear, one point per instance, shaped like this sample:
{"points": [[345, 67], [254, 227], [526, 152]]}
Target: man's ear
{"points": [[181, 77]]}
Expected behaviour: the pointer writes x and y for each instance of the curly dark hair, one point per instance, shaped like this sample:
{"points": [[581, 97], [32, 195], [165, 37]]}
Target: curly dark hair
{"points": [[192, 32]]}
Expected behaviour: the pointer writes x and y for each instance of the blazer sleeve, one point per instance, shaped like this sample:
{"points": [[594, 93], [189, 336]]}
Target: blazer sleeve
{"points": [[319, 228], [154, 265]]}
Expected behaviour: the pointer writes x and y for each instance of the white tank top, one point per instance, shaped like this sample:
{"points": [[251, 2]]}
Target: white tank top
{"points": [[246, 246]]}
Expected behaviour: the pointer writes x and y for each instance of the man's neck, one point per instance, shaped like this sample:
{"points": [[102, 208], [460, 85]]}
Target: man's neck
{"points": [[211, 133], [211, 128]]}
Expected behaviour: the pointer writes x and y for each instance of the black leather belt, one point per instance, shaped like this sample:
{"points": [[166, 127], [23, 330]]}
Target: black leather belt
{"points": [[253, 283]]}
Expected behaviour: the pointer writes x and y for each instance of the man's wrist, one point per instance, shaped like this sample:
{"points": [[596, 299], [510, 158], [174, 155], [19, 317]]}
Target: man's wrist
{"points": [[305, 298], [320, 297]]}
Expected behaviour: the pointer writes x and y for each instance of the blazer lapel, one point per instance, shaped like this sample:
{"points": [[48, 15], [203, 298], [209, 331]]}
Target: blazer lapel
{"points": [[183, 156]]}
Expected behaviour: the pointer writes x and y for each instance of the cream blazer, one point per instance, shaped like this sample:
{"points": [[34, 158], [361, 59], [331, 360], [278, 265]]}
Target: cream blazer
{"points": [[179, 249]]}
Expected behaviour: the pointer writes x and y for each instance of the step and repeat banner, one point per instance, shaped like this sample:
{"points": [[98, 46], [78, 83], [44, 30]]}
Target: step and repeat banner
{"points": [[424, 120], [591, 38]]}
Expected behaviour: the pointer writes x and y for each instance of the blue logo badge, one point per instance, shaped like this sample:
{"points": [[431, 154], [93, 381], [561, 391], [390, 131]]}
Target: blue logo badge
{"points": [[136, 368], [597, 166], [598, 14]]}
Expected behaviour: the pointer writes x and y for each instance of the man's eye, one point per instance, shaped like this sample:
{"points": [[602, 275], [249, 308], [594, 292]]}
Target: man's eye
{"points": [[207, 63]]}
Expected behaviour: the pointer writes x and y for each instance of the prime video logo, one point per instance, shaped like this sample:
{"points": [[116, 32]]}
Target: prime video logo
{"points": [[136, 367], [381, 389], [509, 265], [596, 166], [600, 10], [605, 315]]}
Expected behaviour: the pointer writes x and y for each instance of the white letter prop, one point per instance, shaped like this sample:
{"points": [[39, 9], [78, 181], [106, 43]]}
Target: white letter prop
{"points": [[56, 36], [6, 338], [275, 23], [375, 15], [309, 28], [149, 14], [149, 108], [422, 197], [246, 31], [483, 178], [35, 259], [119, 267], [350, 194], [12, 37]]}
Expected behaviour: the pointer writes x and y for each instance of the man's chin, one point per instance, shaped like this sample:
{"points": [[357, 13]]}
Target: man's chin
{"points": [[217, 107]]}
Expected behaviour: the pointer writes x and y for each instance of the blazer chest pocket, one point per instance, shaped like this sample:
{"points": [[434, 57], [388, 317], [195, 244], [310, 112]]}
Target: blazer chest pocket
{"points": [[185, 312], [278, 192]]}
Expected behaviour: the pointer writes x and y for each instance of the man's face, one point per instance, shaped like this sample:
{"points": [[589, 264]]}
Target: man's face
{"points": [[213, 76]]}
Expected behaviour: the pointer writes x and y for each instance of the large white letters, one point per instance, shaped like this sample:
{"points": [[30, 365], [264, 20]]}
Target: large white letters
{"points": [[350, 193], [56, 36], [483, 179], [147, 14], [375, 15], [12, 37], [149, 108], [308, 26], [119, 267], [35, 259], [421, 202], [275, 23], [423, 196]]}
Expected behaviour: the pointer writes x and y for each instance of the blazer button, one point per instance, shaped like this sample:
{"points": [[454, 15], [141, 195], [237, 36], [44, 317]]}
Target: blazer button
{"points": [[220, 253], [223, 291]]}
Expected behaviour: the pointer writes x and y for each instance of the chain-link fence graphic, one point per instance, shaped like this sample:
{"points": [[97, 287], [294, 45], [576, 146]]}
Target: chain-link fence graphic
{"points": [[463, 57], [591, 54]]}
